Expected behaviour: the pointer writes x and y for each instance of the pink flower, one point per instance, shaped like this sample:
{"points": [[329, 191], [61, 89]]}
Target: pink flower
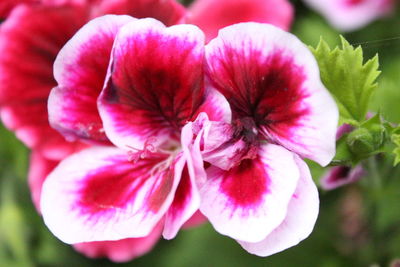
{"points": [[342, 175], [212, 15], [350, 15], [258, 189], [25, 84], [154, 85]]}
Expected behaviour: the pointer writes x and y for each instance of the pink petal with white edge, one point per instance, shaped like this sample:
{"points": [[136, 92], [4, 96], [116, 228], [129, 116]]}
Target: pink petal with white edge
{"points": [[121, 250], [155, 83], [211, 16], [301, 216], [249, 201], [103, 194], [186, 203], [80, 71], [268, 75], [350, 15]]}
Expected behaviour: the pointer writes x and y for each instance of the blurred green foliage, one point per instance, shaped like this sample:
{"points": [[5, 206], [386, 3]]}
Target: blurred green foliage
{"points": [[359, 225]]}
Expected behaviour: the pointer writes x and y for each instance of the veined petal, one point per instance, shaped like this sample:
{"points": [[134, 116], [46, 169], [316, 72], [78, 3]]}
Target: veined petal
{"points": [[30, 39], [300, 219], [211, 16], [249, 201], [169, 12], [102, 194], [80, 71], [155, 84], [268, 75], [121, 250], [186, 203]]}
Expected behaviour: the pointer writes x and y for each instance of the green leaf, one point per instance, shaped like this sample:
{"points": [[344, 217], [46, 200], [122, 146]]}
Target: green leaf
{"points": [[396, 151], [349, 80]]}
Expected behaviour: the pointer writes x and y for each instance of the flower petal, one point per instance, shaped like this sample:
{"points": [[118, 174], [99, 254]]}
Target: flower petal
{"points": [[120, 250], [300, 219], [30, 39], [268, 75], [80, 71], [186, 203], [156, 83], [211, 16], [169, 12], [249, 201], [101, 194]]}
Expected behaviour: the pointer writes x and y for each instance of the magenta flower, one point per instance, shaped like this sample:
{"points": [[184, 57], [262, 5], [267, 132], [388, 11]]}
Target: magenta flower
{"points": [[258, 189], [349, 15], [338, 176], [37, 33], [153, 87], [212, 15]]}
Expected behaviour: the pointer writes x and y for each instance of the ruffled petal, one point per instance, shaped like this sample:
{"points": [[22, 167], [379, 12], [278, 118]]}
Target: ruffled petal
{"points": [[211, 15], [80, 71], [104, 194], [269, 76], [249, 201], [155, 84], [169, 12], [120, 250], [301, 216], [30, 39]]}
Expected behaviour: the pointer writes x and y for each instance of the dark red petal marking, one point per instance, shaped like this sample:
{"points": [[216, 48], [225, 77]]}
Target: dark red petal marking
{"points": [[268, 89], [182, 195], [157, 81], [169, 12], [106, 190], [246, 184], [30, 39]]}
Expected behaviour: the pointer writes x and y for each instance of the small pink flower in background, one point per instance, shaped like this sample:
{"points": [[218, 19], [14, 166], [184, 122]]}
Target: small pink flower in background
{"points": [[258, 189], [6, 6], [212, 15], [350, 15], [154, 85], [342, 175]]}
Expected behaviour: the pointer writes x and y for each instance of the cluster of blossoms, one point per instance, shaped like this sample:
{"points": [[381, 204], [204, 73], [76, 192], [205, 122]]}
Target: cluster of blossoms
{"points": [[350, 15], [250, 104], [36, 30], [161, 128]]}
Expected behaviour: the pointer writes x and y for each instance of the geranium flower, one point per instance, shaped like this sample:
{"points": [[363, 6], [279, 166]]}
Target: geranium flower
{"points": [[153, 87], [258, 189], [212, 15], [350, 15], [36, 33]]}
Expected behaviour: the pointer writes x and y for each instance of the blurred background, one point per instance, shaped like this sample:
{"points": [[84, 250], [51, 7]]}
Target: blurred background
{"points": [[359, 224]]}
